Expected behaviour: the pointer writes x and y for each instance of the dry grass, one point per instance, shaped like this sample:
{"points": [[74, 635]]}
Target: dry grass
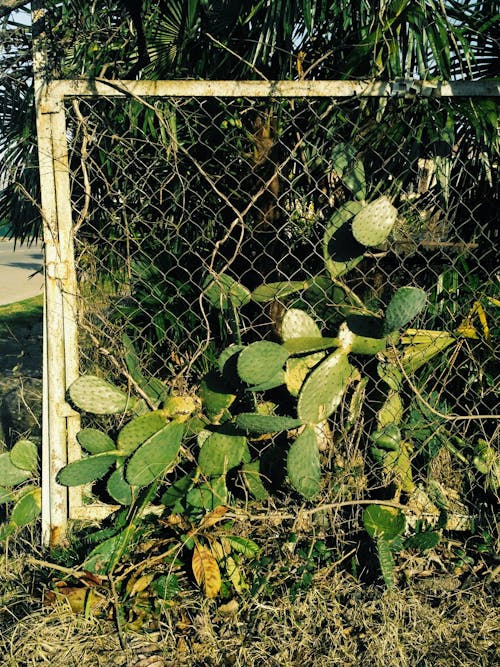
{"points": [[435, 622]]}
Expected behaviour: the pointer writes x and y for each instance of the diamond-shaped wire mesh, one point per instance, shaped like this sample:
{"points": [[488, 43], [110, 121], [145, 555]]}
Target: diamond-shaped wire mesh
{"points": [[171, 194]]}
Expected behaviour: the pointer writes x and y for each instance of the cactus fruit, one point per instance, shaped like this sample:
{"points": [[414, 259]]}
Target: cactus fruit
{"points": [[406, 303], [86, 470], [322, 391], [139, 429], [255, 423], [94, 441], [220, 452], [261, 361], [156, 456], [118, 487], [303, 465], [24, 455], [10, 474], [93, 394], [374, 222]]}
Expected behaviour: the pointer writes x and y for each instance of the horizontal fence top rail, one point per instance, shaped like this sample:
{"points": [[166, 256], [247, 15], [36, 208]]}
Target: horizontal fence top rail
{"points": [[201, 88]]}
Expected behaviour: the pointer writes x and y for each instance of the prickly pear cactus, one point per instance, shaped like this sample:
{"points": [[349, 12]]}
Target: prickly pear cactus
{"points": [[405, 304], [86, 470], [93, 394], [221, 452], [303, 464], [261, 361], [139, 429], [324, 388], [374, 222], [156, 456]]}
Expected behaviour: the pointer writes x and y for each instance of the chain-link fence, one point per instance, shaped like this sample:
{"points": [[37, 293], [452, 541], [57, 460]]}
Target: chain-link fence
{"points": [[200, 221]]}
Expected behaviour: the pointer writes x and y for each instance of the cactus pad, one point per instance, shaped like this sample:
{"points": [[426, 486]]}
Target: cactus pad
{"points": [[405, 304], [118, 487], [373, 224], [27, 508], [322, 392], [24, 455], [139, 429], [156, 456], [93, 394], [94, 441], [220, 452], [10, 474], [298, 324], [303, 466], [260, 361], [255, 423], [86, 470]]}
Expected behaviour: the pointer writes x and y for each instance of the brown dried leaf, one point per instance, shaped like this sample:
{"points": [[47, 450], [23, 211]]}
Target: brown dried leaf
{"points": [[206, 571]]}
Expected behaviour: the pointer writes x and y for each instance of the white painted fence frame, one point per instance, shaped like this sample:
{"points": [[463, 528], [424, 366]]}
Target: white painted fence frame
{"points": [[61, 356]]}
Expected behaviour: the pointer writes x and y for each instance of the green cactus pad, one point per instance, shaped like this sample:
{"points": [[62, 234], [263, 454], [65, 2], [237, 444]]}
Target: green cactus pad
{"points": [[383, 522], [224, 290], [298, 368], [255, 423], [86, 470], [216, 397], [93, 394], [374, 222], [27, 508], [118, 487], [304, 345], [276, 381], [177, 491], [24, 455], [253, 480], [209, 495], [220, 452], [140, 429], [303, 465], [405, 304], [260, 361], [298, 324], [5, 495], [390, 374], [94, 441], [10, 474], [156, 456], [274, 291], [359, 344], [324, 388]]}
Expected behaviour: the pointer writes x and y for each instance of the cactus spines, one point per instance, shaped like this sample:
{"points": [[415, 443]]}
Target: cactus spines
{"points": [[322, 391], [406, 303], [373, 224], [303, 465], [93, 394], [261, 361], [156, 456]]}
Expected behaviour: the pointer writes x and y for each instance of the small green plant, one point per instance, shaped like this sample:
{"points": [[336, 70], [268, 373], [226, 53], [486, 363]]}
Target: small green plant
{"points": [[22, 499]]}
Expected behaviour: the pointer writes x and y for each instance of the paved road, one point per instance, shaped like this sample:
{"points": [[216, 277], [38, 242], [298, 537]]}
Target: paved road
{"points": [[16, 267]]}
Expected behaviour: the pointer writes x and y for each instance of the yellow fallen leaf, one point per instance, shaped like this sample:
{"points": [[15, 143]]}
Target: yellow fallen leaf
{"points": [[206, 571]]}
